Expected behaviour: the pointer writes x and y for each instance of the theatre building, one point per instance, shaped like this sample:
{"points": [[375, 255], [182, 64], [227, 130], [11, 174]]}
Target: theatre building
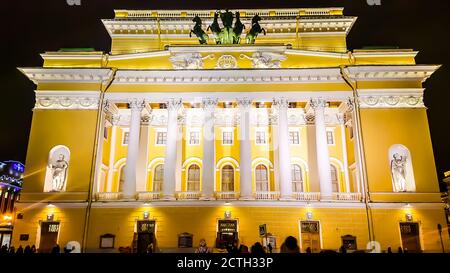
{"points": [[176, 136]]}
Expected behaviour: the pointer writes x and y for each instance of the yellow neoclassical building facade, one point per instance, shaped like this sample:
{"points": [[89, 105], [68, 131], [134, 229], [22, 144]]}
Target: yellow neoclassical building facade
{"points": [[178, 135]]}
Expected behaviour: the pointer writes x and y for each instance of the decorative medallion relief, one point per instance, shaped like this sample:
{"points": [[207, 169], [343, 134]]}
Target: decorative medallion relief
{"points": [[59, 102], [391, 102], [265, 59], [226, 62], [189, 60]]}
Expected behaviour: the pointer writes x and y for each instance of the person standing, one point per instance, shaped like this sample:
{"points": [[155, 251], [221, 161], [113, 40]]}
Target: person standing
{"points": [[202, 248]]}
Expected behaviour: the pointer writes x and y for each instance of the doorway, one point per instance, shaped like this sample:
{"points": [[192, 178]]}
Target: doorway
{"points": [[5, 238], [145, 235], [410, 237], [227, 233], [49, 236], [310, 236]]}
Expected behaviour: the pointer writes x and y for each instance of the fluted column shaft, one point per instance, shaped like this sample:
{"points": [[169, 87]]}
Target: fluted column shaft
{"points": [[170, 161], [129, 188], [284, 155], [112, 152], [209, 106], [245, 149], [323, 158], [341, 118]]}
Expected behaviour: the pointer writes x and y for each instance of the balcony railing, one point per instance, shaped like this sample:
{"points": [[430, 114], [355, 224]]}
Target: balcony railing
{"points": [[347, 196], [227, 195], [188, 195], [267, 195], [307, 196], [148, 196], [109, 196]]}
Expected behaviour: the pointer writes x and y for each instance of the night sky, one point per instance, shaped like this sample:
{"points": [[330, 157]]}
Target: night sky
{"points": [[33, 27]]}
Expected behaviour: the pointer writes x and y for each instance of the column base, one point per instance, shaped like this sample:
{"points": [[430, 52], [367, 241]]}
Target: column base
{"points": [[207, 198], [169, 197], [326, 197], [247, 198], [287, 198]]}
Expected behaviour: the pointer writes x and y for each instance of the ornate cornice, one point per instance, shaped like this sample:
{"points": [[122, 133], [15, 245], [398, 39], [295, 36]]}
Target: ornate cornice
{"points": [[86, 100], [281, 103], [390, 72], [209, 104], [329, 75], [87, 75]]}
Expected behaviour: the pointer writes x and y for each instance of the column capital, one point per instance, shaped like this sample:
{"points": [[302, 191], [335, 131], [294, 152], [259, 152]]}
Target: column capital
{"points": [[174, 104], [106, 105], [145, 119], [136, 104], [281, 103], [244, 103], [317, 103], [341, 118], [115, 119], [209, 104]]}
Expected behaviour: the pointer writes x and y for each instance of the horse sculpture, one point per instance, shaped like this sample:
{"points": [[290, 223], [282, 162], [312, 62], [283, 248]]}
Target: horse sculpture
{"points": [[255, 30], [198, 31], [215, 27], [238, 27]]}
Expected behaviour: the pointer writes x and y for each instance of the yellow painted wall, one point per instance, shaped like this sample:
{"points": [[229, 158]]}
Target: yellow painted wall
{"points": [[382, 128], [71, 224], [72, 128]]}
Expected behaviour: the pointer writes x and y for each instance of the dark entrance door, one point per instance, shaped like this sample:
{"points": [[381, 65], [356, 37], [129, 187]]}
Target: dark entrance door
{"points": [[310, 231], [227, 233], [145, 235], [410, 237], [49, 236]]}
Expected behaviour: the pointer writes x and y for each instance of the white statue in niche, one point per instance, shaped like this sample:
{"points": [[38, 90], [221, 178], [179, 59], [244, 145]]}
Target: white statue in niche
{"points": [[401, 169], [398, 170], [59, 173], [57, 169]]}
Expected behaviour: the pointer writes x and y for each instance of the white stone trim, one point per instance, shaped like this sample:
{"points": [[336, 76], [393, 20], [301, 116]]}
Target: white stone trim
{"points": [[241, 76], [67, 100], [73, 55], [231, 96], [391, 98], [401, 205], [384, 53], [221, 203], [391, 72], [78, 75]]}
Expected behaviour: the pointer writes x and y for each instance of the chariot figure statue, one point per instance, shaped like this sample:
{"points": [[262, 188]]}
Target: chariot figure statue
{"points": [[59, 173], [398, 170]]}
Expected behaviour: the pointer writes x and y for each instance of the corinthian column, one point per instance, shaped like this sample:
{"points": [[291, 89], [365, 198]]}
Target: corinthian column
{"points": [[129, 188], [284, 156], [323, 158], [209, 106], [112, 152], [170, 163], [341, 119], [245, 149]]}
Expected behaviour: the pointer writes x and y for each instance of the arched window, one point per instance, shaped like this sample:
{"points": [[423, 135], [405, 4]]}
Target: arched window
{"points": [[158, 178], [193, 183], [261, 177], [297, 178], [334, 178], [122, 178], [227, 178]]}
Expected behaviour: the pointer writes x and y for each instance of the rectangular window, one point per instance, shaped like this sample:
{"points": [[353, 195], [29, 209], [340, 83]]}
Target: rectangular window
{"points": [[294, 138], [161, 138], [260, 137], [194, 138], [126, 138], [330, 138], [227, 138]]}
